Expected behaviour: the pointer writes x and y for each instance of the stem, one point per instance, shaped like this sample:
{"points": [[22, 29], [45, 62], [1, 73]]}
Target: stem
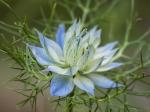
{"points": [[86, 11], [69, 103]]}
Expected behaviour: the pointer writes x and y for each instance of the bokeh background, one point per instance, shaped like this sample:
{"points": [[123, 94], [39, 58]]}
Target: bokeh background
{"points": [[112, 22]]}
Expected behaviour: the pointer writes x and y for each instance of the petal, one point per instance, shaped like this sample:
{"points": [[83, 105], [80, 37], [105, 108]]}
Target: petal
{"points": [[92, 66], [46, 42], [40, 55], [86, 57], [109, 66], [97, 38], [109, 46], [62, 71], [71, 34], [71, 30], [61, 85], [74, 30], [94, 36], [105, 51], [84, 84], [102, 81], [60, 35], [108, 58], [52, 48]]}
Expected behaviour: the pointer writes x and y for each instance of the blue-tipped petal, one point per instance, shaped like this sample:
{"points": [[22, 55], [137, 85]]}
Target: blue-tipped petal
{"points": [[84, 83], [102, 81], [40, 55], [60, 35], [109, 66], [49, 44], [52, 49], [61, 85]]}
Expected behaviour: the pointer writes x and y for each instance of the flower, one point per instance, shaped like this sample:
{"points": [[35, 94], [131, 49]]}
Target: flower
{"points": [[75, 59]]}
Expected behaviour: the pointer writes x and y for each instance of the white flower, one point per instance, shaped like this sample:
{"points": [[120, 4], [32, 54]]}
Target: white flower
{"points": [[76, 59]]}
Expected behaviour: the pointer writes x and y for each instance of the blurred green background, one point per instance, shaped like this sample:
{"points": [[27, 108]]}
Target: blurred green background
{"points": [[111, 16]]}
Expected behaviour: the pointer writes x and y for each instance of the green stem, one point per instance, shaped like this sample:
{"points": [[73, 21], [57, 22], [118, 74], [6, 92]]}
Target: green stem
{"points": [[69, 103]]}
